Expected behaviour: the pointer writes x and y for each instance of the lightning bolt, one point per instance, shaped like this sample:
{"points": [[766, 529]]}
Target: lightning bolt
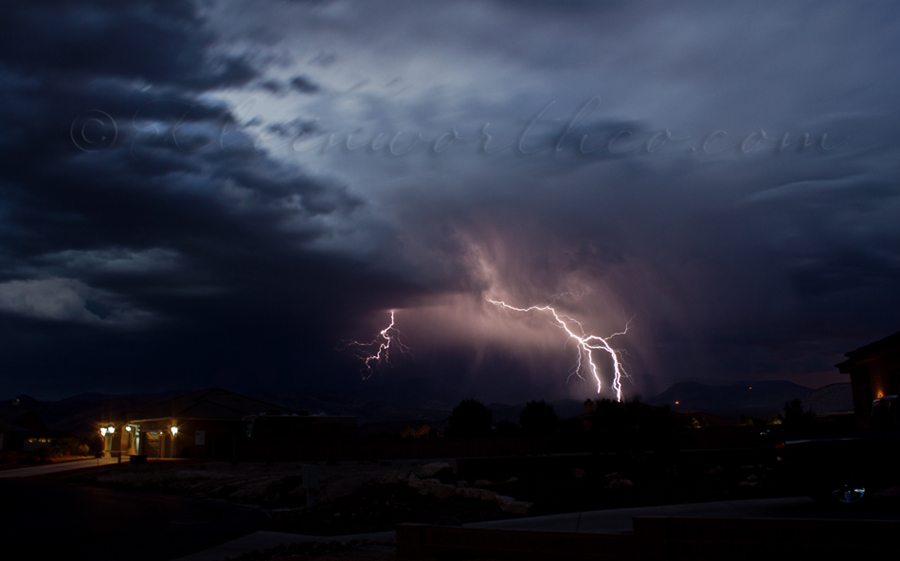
{"points": [[586, 345], [377, 353]]}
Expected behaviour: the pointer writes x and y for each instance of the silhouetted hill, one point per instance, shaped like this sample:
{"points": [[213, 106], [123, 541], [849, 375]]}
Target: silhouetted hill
{"points": [[396, 401], [407, 402], [80, 415], [751, 399]]}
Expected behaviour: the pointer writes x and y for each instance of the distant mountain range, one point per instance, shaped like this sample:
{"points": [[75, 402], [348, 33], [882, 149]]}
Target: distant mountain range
{"points": [[80, 415], [751, 399], [407, 402]]}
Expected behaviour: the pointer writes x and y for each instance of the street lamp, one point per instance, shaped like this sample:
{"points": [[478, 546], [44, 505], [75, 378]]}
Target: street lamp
{"points": [[174, 430]]}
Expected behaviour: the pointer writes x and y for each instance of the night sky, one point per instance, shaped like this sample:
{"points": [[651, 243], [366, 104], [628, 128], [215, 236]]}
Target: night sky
{"points": [[220, 193]]}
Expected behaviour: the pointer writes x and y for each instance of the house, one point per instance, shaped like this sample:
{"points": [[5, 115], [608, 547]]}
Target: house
{"points": [[832, 405], [210, 424], [874, 372], [21, 429], [424, 431]]}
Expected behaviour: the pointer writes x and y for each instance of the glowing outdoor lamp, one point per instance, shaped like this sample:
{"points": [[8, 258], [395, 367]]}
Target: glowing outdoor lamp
{"points": [[102, 431], [128, 428], [174, 430], [110, 429]]}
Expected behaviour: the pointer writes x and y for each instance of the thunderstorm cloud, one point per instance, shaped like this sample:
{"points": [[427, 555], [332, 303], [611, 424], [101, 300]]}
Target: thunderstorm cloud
{"points": [[217, 193]]}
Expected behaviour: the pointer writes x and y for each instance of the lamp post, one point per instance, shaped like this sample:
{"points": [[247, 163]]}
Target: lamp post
{"points": [[174, 430], [110, 431], [103, 445]]}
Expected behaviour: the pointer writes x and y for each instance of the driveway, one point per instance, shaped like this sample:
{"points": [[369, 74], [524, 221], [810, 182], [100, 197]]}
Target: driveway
{"points": [[46, 469]]}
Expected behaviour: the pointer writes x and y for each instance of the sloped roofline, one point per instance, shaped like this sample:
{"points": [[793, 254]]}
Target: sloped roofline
{"points": [[870, 352]]}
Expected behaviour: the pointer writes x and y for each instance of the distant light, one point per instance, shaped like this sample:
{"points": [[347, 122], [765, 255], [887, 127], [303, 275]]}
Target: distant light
{"points": [[677, 403], [128, 428], [110, 429], [174, 430], [102, 431], [880, 395], [750, 388]]}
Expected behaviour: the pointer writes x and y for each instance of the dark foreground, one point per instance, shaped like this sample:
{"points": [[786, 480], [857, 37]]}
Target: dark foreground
{"points": [[48, 520], [70, 517]]}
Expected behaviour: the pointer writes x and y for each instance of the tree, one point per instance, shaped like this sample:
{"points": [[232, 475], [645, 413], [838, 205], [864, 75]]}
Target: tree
{"points": [[470, 419], [795, 418], [634, 425], [507, 429], [538, 417]]}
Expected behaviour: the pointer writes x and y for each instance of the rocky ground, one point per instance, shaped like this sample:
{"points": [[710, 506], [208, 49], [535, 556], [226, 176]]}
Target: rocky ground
{"points": [[380, 507], [279, 485], [361, 497]]}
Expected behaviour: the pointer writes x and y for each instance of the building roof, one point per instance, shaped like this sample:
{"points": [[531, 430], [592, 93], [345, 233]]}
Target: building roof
{"points": [[872, 351], [17, 417], [11, 414], [11, 427], [211, 404], [832, 399]]}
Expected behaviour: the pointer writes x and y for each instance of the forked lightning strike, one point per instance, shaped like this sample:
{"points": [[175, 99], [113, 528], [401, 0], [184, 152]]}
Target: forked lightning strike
{"points": [[586, 344], [377, 353]]}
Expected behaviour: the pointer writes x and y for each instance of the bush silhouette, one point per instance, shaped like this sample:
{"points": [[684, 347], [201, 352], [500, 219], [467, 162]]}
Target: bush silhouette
{"points": [[538, 417], [470, 419]]}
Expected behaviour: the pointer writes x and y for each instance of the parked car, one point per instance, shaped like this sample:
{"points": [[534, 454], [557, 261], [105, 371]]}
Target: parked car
{"points": [[845, 467]]}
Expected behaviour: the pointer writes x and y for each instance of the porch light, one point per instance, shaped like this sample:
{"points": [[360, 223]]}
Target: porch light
{"points": [[174, 430], [102, 431]]}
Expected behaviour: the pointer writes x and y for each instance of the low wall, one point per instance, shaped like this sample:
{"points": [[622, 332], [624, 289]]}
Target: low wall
{"points": [[681, 539], [419, 540]]}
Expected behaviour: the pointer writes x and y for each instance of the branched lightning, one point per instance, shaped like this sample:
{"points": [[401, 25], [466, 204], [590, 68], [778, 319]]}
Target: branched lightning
{"points": [[586, 344], [377, 352]]}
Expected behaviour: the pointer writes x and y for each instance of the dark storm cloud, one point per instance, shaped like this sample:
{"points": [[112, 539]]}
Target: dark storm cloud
{"points": [[303, 84], [143, 231], [149, 223], [157, 41]]}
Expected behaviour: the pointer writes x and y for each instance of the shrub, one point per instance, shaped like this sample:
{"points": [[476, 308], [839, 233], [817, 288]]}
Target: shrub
{"points": [[470, 419], [538, 418]]}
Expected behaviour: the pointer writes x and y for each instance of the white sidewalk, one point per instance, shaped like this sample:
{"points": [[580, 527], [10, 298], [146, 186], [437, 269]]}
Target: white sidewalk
{"points": [[33, 471]]}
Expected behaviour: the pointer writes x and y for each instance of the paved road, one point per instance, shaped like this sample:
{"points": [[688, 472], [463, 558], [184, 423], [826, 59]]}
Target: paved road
{"points": [[33, 471], [57, 521]]}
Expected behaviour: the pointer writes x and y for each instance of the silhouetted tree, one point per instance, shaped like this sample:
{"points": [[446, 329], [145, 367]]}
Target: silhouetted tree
{"points": [[507, 429], [796, 418], [538, 417], [470, 419], [632, 425]]}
